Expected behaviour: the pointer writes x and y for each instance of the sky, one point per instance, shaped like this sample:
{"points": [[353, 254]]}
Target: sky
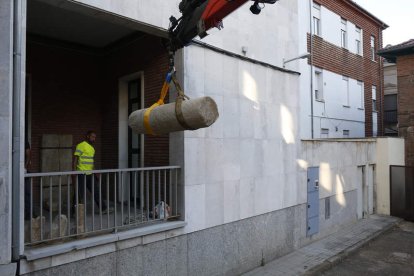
{"points": [[398, 14]]}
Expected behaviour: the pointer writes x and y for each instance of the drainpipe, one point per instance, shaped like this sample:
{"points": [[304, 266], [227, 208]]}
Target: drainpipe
{"points": [[19, 22], [311, 65], [381, 84]]}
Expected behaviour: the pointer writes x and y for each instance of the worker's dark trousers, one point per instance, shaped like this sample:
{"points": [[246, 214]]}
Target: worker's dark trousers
{"points": [[27, 198], [81, 188]]}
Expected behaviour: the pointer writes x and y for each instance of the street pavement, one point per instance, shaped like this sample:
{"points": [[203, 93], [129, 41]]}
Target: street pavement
{"points": [[392, 253], [319, 256]]}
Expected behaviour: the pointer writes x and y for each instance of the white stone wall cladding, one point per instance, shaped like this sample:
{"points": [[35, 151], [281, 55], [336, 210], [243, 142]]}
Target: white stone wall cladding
{"points": [[243, 165], [338, 164], [229, 249], [267, 37], [339, 215], [154, 12], [6, 67]]}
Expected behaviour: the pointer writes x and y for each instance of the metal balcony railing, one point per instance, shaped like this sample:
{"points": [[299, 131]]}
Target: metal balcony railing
{"points": [[67, 205]]}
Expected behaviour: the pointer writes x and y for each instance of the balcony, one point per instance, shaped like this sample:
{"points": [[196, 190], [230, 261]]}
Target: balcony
{"points": [[64, 206]]}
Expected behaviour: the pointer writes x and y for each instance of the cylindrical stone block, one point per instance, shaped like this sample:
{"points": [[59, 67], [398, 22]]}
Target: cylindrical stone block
{"points": [[198, 113]]}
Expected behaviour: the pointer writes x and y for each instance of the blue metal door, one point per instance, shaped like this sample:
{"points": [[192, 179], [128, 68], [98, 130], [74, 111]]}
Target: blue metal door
{"points": [[313, 201]]}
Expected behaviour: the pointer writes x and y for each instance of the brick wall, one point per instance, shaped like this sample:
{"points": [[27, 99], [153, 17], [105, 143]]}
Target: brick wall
{"points": [[65, 95], [343, 62], [73, 92], [405, 74], [148, 55]]}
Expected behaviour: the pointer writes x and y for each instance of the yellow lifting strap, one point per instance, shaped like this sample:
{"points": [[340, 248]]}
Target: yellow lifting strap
{"points": [[164, 91]]}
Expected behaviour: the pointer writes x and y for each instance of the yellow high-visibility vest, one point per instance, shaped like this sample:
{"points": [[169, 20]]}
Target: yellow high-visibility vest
{"points": [[86, 154]]}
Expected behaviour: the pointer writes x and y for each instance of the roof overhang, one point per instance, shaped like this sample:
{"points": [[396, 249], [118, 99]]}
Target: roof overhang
{"points": [[391, 53]]}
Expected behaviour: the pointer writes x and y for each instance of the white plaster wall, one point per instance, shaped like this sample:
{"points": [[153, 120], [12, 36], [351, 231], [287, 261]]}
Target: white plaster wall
{"points": [[245, 164], [333, 113], [331, 26], [331, 29], [390, 152]]}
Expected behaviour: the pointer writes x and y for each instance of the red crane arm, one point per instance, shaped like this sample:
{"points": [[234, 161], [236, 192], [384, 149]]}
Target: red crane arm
{"points": [[198, 16], [216, 10]]}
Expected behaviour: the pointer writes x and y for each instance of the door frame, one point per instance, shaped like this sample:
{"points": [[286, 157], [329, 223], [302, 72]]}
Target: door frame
{"points": [[123, 118]]}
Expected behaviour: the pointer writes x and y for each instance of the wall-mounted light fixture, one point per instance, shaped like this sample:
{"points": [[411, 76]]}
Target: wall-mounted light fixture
{"points": [[306, 55]]}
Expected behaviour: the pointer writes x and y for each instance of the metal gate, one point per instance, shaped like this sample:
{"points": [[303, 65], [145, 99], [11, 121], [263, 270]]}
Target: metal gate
{"points": [[313, 201], [402, 192]]}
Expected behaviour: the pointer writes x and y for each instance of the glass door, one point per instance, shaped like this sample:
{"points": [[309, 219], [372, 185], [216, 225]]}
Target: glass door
{"points": [[134, 140]]}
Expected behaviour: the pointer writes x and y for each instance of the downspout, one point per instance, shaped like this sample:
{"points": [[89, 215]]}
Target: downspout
{"points": [[381, 84], [18, 126], [311, 65]]}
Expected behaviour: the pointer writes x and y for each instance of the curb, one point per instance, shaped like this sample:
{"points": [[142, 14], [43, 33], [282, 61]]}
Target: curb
{"points": [[332, 261]]}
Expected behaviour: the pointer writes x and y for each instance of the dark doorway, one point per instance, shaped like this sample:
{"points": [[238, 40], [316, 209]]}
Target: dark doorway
{"points": [[402, 192]]}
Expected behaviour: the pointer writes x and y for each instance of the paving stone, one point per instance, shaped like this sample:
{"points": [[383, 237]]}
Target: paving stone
{"points": [[327, 248]]}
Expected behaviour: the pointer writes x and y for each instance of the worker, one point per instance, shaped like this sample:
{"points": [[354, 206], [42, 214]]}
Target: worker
{"points": [[84, 161]]}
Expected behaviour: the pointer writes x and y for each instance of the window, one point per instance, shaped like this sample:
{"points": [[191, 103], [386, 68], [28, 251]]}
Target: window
{"points": [[316, 19], [374, 98], [358, 41], [346, 89], [361, 94], [324, 132], [374, 124], [318, 85], [373, 48], [344, 42], [316, 26], [317, 6], [327, 207], [345, 133]]}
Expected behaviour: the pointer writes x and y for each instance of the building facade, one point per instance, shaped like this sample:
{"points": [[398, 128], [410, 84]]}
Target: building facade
{"points": [[403, 55], [390, 99], [240, 193], [341, 88]]}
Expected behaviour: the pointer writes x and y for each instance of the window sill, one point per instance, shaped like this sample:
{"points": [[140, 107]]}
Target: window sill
{"points": [[321, 100], [360, 108], [346, 106], [89, 243]]}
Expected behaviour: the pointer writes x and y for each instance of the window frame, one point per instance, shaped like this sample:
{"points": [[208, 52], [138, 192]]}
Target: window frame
{"points": [[374, 99], [362, 95], [347, 100], [325, 131], [344, 34], [319, 93], [358, 41], [347, 131], [316, 18], [372, 47], [316, 26]]}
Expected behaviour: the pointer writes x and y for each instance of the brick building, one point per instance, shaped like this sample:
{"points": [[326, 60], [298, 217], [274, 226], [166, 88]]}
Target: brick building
{"points": [[403, 55], [390, 99], [344, 73]]}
